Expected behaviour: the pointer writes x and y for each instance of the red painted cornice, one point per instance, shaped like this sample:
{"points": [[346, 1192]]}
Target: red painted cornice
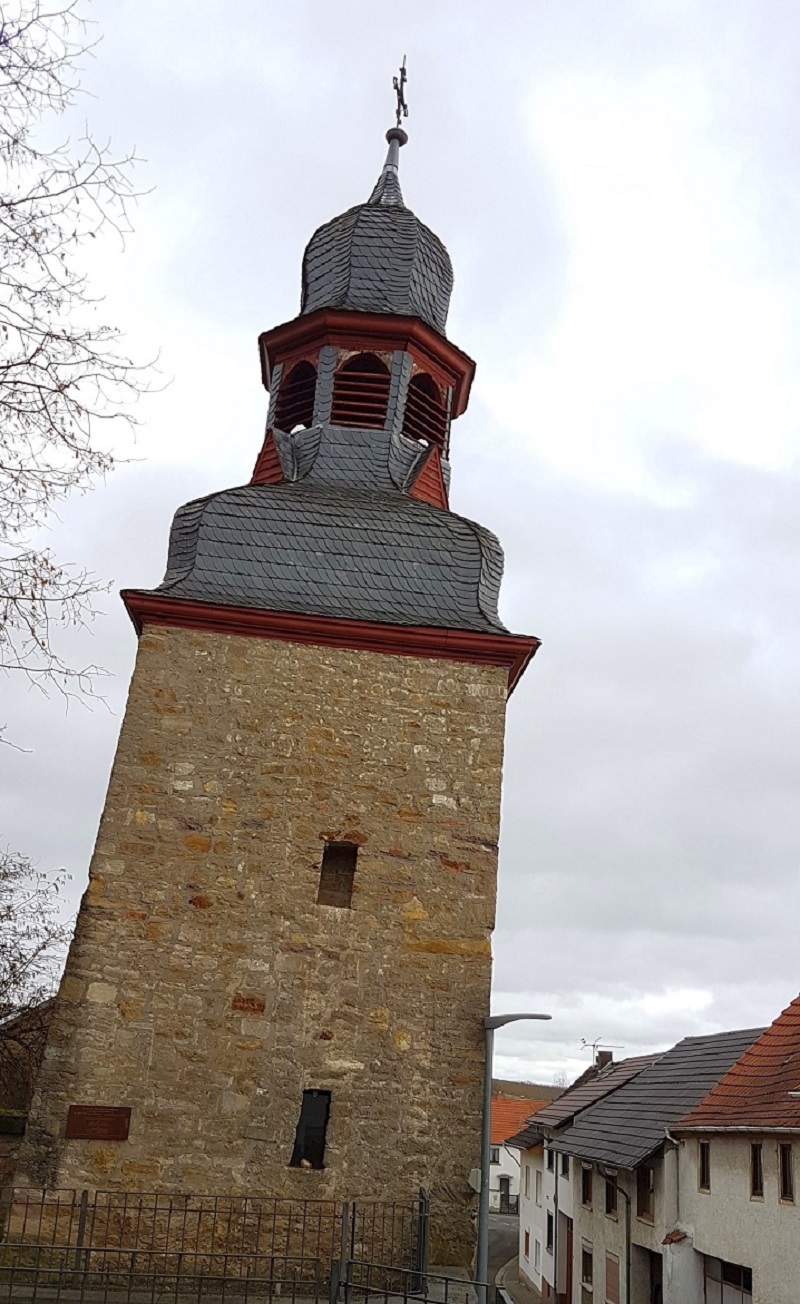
{"points": [[512, 651], [373, 330]]}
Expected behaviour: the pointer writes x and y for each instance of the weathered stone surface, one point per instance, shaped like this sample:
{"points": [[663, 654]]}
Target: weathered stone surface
{"points": [[206, 989]]}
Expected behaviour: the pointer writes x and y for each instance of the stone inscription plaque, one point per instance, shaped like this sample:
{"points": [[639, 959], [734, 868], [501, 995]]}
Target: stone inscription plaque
{"points": [[98, 1123]]}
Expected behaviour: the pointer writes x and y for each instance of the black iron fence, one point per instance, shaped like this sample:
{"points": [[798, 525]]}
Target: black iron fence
{"points": [[109, 1246]]}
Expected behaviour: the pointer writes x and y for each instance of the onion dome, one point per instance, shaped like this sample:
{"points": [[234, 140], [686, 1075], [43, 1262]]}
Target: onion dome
{"points": [[379, 257]]}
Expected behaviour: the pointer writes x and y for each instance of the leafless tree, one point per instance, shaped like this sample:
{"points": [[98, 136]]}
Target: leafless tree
{"points": [[33, 938], [61, 373]]}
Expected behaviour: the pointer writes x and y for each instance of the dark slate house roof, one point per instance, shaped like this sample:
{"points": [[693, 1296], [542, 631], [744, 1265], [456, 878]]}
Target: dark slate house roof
{"points": [[587, 1092], [379, 257], [628, 1125]]}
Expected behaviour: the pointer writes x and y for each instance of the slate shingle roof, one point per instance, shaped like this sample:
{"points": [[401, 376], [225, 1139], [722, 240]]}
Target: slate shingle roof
{"points": [[755, 1090], [379, 257], [361, 554], [628, 1125], [578, 1098]]}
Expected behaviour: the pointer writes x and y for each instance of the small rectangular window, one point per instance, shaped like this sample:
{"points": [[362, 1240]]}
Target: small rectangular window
{"points": [[787, 1172], [527, 1250], [538, 1186], [551, 1161], [336, 874], [527, 1181], [611, 1197], [494, 1155], [645, 1192], [756, 1171], [550, 1235], [586, 1186], [612, 1279], [704, 1165], [537, 1255], [565, 1165], [309, 1141], [587, 1266]]}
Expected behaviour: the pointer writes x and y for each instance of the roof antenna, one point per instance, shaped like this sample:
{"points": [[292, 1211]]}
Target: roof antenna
{"points": [[399, 84]]}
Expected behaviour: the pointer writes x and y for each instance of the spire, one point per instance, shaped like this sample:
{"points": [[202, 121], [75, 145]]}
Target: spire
{"points": [[387, 189]]}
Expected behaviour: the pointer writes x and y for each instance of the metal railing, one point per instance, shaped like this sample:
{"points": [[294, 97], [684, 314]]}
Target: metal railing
{"points": [[365, 1283], [147, 1247]]}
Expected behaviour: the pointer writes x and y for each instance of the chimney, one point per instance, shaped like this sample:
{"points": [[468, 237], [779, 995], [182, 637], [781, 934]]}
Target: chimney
{"points": [[604, 1057]]}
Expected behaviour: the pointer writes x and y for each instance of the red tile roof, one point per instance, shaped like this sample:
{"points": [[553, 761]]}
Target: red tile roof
{"points": [[508, 1115], [755, 1092]]}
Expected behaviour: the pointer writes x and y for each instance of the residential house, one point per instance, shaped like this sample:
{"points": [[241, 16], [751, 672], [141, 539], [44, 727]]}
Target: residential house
{"points": [[509, 1113], [546, 1195], [626, 1163], [739, 1235]]}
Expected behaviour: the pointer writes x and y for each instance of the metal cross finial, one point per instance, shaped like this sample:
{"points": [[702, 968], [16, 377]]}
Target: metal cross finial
{"points": [[399, 84]]}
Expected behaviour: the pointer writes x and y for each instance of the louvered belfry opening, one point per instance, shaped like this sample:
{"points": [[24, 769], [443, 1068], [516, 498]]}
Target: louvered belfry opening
{"points": [[361, 393], [295, 407], [425, 417]]}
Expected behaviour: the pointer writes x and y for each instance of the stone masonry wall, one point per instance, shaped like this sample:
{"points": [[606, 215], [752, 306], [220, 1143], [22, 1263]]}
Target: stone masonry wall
{"points": [[206, 989]]}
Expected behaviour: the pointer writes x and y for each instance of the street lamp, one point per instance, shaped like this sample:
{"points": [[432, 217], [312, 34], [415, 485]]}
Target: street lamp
{"points": [[482, 1258]]}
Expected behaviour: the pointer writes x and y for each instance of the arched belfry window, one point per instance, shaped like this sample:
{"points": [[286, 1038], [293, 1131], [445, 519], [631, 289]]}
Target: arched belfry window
{"points": [[425, 417], [361, 392], [295, 407]]}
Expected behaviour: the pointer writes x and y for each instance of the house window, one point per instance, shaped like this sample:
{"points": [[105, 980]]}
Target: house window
{"points": [[361, 393], [527, 1250], [309, 1141], [756, 1171], [550, 1235], [728, 1282], [786, 1161], [551, 1161], [645, 1192], [527, 1181], [612, 1279], [565, 1165], [704, 1165], [295, 407], [586, 1185], [587, 1266], [494, 1155], [336, 875], [538, 1186], [537, 1255], [611, 1197]]}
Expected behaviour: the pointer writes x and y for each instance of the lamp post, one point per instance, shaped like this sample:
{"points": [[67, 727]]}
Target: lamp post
{"points": [[482, 1257]]}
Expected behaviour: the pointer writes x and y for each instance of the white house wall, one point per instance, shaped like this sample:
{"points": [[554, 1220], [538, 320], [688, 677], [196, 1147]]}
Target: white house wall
{"points": [[508, 1166], [761, 1234]]}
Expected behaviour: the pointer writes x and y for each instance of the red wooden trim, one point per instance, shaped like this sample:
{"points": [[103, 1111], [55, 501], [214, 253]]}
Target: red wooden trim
{"points": [[429, 484], [513, 651], [370, 331], [268, 468]]}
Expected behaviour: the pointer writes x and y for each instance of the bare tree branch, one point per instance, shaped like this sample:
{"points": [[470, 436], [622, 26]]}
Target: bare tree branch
{"points": [[61, 373]]}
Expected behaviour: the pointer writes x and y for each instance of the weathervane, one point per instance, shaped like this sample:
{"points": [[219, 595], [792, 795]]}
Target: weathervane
{"points": [[399, 84]]}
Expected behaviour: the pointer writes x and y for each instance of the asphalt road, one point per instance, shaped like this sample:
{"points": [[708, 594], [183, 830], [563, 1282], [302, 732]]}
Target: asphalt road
{"points": [[503, 1241]]}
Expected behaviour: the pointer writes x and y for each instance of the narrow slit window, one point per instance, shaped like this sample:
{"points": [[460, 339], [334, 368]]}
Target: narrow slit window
{"points": [[756, 1171], [309, 1141], [787, 1172], [337, 873], [704, 1165]]}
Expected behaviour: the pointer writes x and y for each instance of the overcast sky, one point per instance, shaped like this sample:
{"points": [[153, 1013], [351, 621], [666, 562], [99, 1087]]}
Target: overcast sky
{"points": [[618, 187]]}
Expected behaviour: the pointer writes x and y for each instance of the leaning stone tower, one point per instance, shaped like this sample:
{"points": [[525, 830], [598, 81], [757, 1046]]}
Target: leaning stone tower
{"points": [[282, 960]]}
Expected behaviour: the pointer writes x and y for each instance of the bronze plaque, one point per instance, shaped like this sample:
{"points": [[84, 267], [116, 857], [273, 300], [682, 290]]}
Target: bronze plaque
{"points": [[98, 1123]]}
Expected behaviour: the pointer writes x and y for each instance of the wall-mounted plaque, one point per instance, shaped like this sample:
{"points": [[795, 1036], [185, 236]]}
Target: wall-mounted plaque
{"points": [[98, 1123]]}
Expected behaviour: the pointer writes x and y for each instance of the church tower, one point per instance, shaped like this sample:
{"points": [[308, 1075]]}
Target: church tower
{"points": [[282, 960]]}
